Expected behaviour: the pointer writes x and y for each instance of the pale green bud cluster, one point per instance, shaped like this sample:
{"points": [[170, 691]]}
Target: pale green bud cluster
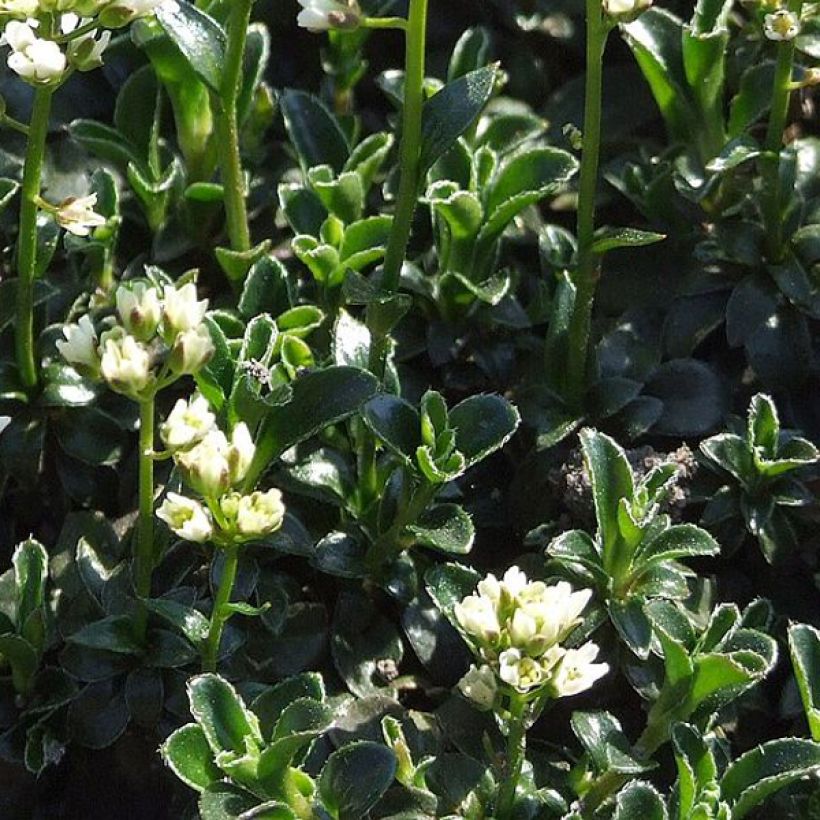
{"points": [[214, 465], [51, 38], [155, 337], [516, 627]]}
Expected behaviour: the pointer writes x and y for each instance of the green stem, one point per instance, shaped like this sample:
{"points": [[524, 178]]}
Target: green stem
{"points": [[144, 554], [384, 23], [227, 127], [516, 751], [585, 277], [410, 150], [27, 238], [219, 617], [770, 162]]}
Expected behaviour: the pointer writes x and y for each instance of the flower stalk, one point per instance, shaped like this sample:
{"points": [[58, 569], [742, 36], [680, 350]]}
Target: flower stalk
{"points": [[227, 127], [516, 753], [221, 613], [144, 553], [27, 238], [587, 272]]}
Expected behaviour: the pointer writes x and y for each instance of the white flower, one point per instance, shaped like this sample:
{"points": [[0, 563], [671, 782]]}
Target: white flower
{"points": [[478, 618], [85, 53], [19, 8], [40, 61], [322, 15], [625, 11], [192, 350], [125, 362], [479, 686], [139, 309], [546, 615], [576, 672], [121, 12], [260, 513], [781, 25], [188, 423], [77, 215], [80, 345], [186, 517], [214, 465], [519, 671], [182, 310]]}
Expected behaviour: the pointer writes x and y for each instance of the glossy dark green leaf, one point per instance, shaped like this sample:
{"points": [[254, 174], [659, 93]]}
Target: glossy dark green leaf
{"points": [[483, 424], [804, 645], [64, 387], [679, 541], [190, 757], [189, 621], [395, 422], [639, 801], [199, 38], [145, 696], [113, 634], [341, 554], [265, 289], [270, 705], [450, 112], [98, 716], [313, 130], [448, 584], [607, 239], [222, 715], [610, 750], [30, 562], [355, 777], [754, 776]]}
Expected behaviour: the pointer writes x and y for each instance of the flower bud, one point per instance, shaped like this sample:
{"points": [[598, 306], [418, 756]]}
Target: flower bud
{"points": [[205, 466], [260, 513], [41, 62], [192, 350], [479, 686], [125, 363], [85, 53], [80, 347], [241, 452], [187, 518], [23, 9], [139, 309], [322, 15], [478, 618], [625, 11], [188, 423], [182, 310]]}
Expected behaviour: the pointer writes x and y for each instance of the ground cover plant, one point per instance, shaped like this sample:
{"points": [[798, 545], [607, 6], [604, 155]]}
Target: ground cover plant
{"points": [[408, 410]]}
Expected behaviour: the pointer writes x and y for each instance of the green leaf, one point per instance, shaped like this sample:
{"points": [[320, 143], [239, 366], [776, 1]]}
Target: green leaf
{"points": [[639, 801], [303, 715], [189, 621], [444, 527], [318, 400], [611, 478], [450, 112], [577, 547], [65, 387], [30, 562], [199, 38], [763, 425], [104, 142], [719, 679], [314, 132], [190, 757], [630, 620], [732, 453], [222, 715], [753, 98], [341, 554], [224, 801], [23, 659], [270, 705], [395, 422], [804, 645], [355, 777], [679, 541], [113, 634], [91, 436], [483, 424], [607, 239], [265, 289], [448, 584], [750, 779], [696, 766], [609, 748]]}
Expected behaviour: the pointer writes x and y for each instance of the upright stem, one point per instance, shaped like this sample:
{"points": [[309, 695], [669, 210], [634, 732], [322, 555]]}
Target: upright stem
{"points": [[27, 238], [210, 651], [516, 750], [144, 555], [586, 275], [233, 178], [781, 95], [415, 45]]}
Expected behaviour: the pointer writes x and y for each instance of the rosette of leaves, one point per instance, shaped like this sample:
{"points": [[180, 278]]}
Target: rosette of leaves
{"points": [[635, 555], [473, 196], [763, 495], [693, 673], [249, 761], [32, 730]]}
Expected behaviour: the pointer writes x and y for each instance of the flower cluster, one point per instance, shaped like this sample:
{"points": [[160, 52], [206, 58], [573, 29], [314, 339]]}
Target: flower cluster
{"points": [[213, 465], [516, 627], [156, 337], [50, 38]]}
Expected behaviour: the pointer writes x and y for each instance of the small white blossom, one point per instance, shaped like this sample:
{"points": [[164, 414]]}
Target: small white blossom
{"points": [[479, 686], [19, 8], [77, 215], [322, 15], [781, 25], [519, 671], [478, 618], [186, 517], [125, 362], [260, 513], [139, 309], [182, 310], [85, 53], [241, 452], [625, 11], [214, 465], [80, 345], [40, 61], [121, 12], [192, 350], [577, 672], [188, 423]]}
